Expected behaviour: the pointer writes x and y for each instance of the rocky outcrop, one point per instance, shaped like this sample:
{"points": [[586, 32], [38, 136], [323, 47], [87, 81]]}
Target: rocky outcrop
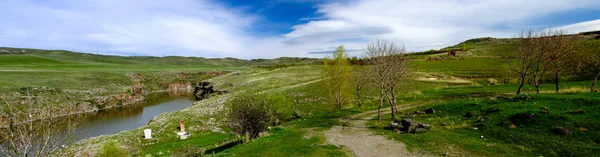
{"points": [[204, 89], [180, 89]]}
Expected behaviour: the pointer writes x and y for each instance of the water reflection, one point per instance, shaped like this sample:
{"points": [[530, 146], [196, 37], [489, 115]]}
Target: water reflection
{"points": [[126, 118]]}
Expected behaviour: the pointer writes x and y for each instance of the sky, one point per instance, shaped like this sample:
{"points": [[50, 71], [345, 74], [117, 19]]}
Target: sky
{"points": [[251, 29]]}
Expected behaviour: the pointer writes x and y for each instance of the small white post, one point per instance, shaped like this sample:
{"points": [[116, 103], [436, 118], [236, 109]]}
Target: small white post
{"points": [[147, 134]]}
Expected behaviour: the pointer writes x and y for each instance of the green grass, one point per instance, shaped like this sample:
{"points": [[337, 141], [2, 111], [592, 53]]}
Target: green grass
{"points": [[531, 137], [201, 140], [285, 142]]}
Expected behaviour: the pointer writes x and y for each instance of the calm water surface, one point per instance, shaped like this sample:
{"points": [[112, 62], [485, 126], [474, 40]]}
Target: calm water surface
{"points": [[132, 117]]}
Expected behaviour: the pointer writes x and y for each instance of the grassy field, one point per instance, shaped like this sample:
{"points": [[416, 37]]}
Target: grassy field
{"points": [[474, 82]]}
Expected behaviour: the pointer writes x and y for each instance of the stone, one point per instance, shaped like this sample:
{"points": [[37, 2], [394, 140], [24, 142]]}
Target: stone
{"points": [[493, 110], [392, 126], [512, 126], [521, 117], [492, 81], [147, 134], [426, 126], [545, 111], [469, 114], [577, 112], [429, 111], [181, 126], [562, 131]]}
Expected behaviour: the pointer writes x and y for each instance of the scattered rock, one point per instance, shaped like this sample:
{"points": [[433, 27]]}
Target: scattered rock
{"points": [[562, 131], [392, 126], [411, 126], [492, 81], [420, 130], [577, 112], [521, 117], [407, 123], [429, 111], [469, 114], [493, 110]]}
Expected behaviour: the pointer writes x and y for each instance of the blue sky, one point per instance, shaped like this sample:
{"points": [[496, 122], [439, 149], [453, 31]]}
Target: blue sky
{"points": [[274, 28]]}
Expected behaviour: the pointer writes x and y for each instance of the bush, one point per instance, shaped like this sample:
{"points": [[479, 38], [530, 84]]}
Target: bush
{"points": [[280, 108], [249, 114], [189, 151], [112, 149]]}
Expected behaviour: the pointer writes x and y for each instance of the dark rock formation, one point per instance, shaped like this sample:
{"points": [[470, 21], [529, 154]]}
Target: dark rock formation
{"points": [[562, 131], [204, 89]]}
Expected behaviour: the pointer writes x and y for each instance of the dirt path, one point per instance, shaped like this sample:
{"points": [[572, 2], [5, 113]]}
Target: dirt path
{"points": [[363, 143]]}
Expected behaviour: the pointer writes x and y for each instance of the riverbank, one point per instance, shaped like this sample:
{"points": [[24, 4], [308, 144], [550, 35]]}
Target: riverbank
{"points": [[57, 102]]}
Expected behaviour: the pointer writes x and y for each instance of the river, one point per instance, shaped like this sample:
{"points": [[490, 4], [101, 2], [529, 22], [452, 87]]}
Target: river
{"points": [[113, 121]]}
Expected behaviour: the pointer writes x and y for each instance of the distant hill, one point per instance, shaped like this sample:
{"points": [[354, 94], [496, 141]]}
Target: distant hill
{"points": [[25, 56], [487, 46]]}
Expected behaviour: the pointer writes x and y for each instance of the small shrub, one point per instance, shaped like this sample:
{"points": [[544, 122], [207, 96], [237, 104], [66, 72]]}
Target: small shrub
{"points": [[112, 149], [248, 114]]}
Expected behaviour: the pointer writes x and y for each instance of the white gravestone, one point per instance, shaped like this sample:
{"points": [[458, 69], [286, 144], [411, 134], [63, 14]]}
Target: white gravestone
{"points": [[147, 134]]}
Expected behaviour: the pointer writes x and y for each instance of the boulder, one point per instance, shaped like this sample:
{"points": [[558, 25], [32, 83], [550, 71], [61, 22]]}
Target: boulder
{"points": [[469, 114], [562, 131], [492, 81], [429, 111], [407, 123], [521, 117], [392, 126], [577, 112], [493, 110]]}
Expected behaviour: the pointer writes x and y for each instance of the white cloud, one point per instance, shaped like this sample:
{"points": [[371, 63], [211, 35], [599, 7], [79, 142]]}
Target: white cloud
{"points": [[424, 25], [152, 27], [593, 25], [209, 29]]}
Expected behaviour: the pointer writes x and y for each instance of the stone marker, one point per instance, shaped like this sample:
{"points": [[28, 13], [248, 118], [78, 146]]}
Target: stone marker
{"points": [[181, 126], [182, 134], [147, 133]]}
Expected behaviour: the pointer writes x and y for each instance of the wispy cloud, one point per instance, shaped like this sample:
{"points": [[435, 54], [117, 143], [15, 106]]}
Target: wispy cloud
{"points": [[422, 25], [213, 29]]}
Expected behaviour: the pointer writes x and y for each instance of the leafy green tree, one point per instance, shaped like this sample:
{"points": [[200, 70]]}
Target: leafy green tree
{"points": [[248, 114], [336, 76]]}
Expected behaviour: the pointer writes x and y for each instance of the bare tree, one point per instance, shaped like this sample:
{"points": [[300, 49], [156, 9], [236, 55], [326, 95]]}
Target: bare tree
{"points": [[562, 53], [399, 64], [540, 47], [388, 65], [30, 130], [590, 58], [520, 62], [360, 78]]}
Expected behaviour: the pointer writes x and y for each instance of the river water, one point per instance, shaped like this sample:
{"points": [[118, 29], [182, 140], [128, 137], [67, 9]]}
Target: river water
{"points": [[113, 121]]}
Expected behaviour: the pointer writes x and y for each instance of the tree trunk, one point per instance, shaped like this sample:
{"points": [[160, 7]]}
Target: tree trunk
{"points": [[393, 104], [594, 83], [379, 107], [556, 81], [521, 85], [358, 96], [537, 87]]}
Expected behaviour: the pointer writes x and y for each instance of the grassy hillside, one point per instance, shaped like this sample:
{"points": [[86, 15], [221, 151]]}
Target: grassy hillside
{"points": [[474, 81]]}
